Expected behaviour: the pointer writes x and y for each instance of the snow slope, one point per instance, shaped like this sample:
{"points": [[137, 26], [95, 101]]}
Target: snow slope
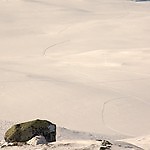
{"points": [[73, 145], [142, 141], [69, 139], [82, 64]]}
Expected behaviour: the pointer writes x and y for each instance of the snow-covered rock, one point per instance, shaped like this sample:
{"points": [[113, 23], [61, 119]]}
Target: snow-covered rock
{"points": [[5, 144], [37, 140]]}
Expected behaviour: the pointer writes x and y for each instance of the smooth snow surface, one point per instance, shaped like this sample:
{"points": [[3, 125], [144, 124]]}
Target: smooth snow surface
{"points": [[143, 142], [82, 64]]}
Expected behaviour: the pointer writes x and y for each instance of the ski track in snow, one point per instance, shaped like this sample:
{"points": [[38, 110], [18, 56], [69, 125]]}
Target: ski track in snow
{"points": [[35, 78], [114, 99], [103, 117], [119, 98], [102, 83], [53, 45]]}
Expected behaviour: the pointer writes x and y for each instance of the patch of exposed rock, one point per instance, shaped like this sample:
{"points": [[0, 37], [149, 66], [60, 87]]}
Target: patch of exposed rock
{"points": [[24, 132]]}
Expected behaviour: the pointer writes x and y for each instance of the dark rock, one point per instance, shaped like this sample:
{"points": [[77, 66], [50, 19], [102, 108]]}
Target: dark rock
{"points": [[23, 132], [105, 145]]}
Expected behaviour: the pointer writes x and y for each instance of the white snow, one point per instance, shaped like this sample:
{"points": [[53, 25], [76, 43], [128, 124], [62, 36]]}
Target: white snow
{"points": [[37, 140], [143, 141], [83, 64]]}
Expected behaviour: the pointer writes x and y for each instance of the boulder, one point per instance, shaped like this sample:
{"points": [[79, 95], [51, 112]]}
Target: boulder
{"points": [[37, 140], [23, 132]]}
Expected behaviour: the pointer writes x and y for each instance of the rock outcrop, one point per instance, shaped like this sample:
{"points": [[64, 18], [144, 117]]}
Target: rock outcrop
{"points": [[23, 132], [106, 145]]}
